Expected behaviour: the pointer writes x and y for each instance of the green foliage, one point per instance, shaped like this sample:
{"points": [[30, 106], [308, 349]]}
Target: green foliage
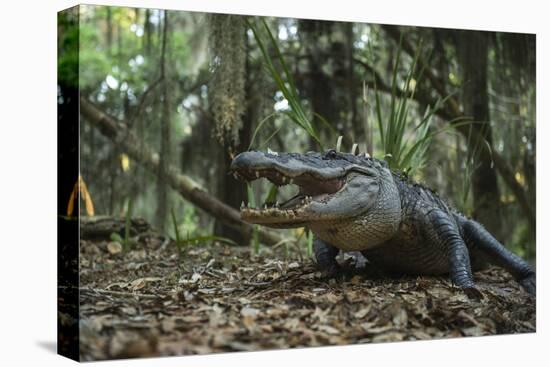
{"points": [[272, 195], [284, 81], [189, 223], [404, 143], [116, 238], [402, 153], [201, 239], [95, 63], [309, 243], [259, 128], [521, 242], [68, 62], [126, 242], [182, 243], [255, 233]]}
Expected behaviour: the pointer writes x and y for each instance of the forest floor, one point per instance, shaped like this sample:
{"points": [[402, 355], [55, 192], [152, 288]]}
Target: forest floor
{"points": [[150, 301]]}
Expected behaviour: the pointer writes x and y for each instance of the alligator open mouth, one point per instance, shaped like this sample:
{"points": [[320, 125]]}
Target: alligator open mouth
{"points": [[310, 189]]}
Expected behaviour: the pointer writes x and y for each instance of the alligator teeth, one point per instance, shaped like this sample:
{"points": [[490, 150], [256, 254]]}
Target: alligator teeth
{"points": [[257, 174], [284, 180], [354, 149], [235, 176], [290, 181], [276, 204], [242, 204], [265, 206]]}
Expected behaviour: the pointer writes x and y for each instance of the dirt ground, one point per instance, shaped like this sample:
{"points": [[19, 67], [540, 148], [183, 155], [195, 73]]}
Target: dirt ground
{"points": [[150, 301]]}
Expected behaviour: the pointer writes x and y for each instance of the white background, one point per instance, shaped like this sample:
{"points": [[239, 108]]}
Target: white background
{"points": [[28, 181]]}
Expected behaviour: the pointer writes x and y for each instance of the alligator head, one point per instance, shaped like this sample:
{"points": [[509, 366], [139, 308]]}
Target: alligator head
{"points": [[332, 186]]}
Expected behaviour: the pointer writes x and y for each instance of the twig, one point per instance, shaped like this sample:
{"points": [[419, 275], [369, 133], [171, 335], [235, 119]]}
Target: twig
{"points": [[118, 293], [142, 99]]}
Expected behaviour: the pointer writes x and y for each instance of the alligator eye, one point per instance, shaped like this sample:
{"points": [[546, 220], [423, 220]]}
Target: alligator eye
{"points": [[331, 154]]}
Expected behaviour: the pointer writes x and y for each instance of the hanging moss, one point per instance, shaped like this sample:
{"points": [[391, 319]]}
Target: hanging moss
{"points": [[227, 87]]}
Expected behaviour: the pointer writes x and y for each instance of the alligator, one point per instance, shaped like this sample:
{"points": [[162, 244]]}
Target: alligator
{"points": [[354, 202]]}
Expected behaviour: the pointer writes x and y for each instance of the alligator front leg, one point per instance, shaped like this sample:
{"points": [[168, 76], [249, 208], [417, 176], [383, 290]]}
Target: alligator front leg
{"points": [[442, 229], [325, 254], [478, 237]]}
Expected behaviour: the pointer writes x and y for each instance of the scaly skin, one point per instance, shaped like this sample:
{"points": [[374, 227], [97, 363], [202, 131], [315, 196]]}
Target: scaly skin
{"points": [[355, 203]]}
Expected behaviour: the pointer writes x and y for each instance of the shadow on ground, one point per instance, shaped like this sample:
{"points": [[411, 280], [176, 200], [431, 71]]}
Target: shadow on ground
{"points": [[50, 346]]}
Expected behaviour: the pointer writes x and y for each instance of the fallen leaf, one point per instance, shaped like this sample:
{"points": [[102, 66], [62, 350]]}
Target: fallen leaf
{"points": [[249, 312], [328, 329], [362, 312], [142, 282], [293, 265], [249, 322], [114, 247]]}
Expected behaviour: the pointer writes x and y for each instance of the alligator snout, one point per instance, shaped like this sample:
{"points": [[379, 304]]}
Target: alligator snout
{"points": [[249, 160]]}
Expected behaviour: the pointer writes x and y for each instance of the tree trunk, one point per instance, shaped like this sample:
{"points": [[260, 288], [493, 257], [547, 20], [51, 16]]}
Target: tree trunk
{"points": [[229, 190], [147, 33], [165, 135], [472, 50], [360, 130], [109, 32]]}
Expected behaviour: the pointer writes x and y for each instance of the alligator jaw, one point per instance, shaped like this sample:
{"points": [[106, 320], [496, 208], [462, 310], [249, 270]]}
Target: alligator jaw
{"points": [[311, 189]]}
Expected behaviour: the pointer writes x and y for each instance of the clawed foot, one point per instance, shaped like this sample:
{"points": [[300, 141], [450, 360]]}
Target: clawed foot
{"points": [[529, 283]]}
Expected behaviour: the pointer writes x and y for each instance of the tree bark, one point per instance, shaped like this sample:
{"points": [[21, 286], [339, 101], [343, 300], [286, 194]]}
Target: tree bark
{"points": [[165, 135], [473, 50], [229, 190], [360, 131], [147, 33], [109, 32], [118, 132]]}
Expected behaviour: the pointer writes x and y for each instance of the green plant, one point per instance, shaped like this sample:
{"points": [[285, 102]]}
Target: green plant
{"points": [[199, 239], [182, 244], [126, 242], [470, 164], [255, 233], [309, 243], [285, 82], [404, 143], [398, 152]]}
